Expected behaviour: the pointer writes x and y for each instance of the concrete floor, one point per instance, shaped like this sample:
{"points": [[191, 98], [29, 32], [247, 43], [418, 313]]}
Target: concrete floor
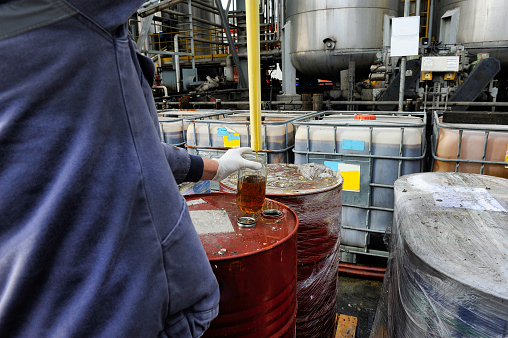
{"points": [[358, 297]]}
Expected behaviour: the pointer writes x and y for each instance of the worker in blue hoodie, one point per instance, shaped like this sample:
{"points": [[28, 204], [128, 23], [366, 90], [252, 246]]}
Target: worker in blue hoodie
{"points": [[95, 238]]}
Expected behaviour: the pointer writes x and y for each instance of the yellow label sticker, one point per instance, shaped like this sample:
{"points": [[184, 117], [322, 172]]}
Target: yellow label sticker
{"points": [[506, 159], [351, 180], [349, 172], [232, 141]]}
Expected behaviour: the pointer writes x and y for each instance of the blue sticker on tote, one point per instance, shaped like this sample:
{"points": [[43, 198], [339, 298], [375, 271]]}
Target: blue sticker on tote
{"points": [[353, 145], [333, 165], [222, 132]]}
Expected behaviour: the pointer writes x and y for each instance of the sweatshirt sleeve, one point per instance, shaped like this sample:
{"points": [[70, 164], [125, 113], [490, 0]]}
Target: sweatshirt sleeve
{"points": [[185, 167]]}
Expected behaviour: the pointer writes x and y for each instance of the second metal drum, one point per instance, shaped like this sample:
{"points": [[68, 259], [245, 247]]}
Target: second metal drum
{"points": [[314, 193]]}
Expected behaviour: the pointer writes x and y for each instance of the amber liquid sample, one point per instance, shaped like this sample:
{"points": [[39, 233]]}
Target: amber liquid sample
{"points": [[250, 194]]}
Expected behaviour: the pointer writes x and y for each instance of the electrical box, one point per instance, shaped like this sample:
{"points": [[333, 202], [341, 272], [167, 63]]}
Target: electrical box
{"points": [[440, 64]]}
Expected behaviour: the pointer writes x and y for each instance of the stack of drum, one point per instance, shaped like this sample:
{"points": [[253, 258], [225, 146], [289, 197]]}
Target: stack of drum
{"points": [[313, 192], [447, 272]]}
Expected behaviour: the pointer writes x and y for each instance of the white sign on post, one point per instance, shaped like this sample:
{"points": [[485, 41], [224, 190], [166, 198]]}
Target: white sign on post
{"points": [[405, 36]]}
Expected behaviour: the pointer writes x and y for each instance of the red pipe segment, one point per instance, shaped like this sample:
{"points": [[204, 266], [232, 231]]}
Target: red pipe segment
{"points": [[362, 270]]}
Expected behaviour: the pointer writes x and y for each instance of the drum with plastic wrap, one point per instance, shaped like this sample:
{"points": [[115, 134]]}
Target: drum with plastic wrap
{"points": [[313, 192]]}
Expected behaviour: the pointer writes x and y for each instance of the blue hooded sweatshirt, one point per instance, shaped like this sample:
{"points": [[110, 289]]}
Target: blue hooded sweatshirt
{"points": [[95, 238]]}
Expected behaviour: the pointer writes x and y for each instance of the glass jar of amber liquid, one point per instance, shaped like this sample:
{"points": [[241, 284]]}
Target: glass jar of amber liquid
{"points": [[251, 187]]}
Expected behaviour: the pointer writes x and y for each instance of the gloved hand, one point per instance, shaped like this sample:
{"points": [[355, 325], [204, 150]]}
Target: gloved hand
{"points": [[232, 161]]}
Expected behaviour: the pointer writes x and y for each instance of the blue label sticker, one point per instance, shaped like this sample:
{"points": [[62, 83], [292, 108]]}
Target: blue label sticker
{"points": [[233, 138], [222, 132], [353, 145], [333, 165]]}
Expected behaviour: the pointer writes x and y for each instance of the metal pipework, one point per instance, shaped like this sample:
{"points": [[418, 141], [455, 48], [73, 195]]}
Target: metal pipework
{"points": [[164, 88], [231, 42], [176, 60], [228, 69], [377, 77], [403, 62], [378, 69], [149, 8], [403, 66], [205, 6], [431, 20], [344, 103]]}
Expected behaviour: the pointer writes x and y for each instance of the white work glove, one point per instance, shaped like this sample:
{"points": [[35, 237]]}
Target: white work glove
{"points": [[232, 161]]}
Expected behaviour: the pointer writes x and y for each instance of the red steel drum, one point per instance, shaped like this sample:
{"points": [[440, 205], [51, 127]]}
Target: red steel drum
{"points": [[255, 266], [317, 201]]}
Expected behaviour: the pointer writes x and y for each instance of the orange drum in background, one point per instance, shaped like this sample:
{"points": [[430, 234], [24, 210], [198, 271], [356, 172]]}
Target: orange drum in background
{"points": [[255, 266]]}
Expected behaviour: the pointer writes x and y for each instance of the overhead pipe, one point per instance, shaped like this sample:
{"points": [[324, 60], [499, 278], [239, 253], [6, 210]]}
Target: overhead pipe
{"points": [[191, 27], [206, 22], [228, 69], [162, 87], [431, 20], [358, 103], [362, 270], [176, 60], [280, 19], [150, 8], [403, 66], [205, 6], [231, 42], [273, 52]]}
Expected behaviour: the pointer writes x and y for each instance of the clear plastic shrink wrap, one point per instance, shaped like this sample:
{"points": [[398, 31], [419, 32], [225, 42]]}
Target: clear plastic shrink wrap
{"points": [[313, 192], [448, 268]]}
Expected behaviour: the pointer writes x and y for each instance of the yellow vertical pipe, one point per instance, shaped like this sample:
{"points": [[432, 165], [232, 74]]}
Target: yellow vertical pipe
{"points": [[254, 69]]}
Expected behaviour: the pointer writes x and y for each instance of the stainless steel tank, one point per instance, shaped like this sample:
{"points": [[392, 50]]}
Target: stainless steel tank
{"points": [[481, 25], [327, 34]]}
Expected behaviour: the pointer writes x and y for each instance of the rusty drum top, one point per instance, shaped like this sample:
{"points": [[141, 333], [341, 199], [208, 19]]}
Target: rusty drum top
{"points": [[292, 180], [215, 217]]}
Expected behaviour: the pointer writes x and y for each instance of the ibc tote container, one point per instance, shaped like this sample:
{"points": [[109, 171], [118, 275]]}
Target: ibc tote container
{"points": [[469, 148], [211, 137], [172, 124], [371, 152]]}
